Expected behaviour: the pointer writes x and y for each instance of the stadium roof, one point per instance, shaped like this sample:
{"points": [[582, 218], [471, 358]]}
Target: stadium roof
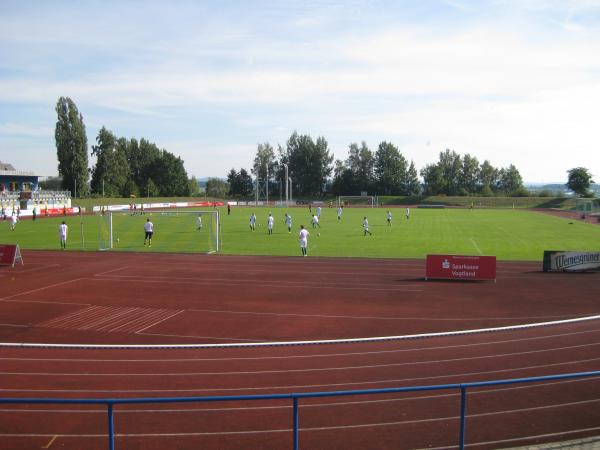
{"points": [[8, 169]]}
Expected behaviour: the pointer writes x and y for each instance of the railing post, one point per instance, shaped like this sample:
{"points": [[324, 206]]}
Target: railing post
{"points": [[463, 416], [111, 428], [296, 421]]}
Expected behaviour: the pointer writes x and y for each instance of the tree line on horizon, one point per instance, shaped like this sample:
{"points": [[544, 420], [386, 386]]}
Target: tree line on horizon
{"points": [[385, 171], [128, 167]]}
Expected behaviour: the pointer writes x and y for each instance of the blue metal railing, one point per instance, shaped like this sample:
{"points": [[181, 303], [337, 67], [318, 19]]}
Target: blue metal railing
{"points": [[463, 387]]}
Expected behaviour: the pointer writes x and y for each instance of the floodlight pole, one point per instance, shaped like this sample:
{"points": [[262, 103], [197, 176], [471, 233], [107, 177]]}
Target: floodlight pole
{"points": [[290, 183], [287, 197]]}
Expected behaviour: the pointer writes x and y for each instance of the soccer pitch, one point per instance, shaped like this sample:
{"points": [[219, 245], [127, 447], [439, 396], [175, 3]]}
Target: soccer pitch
{"points": [[506, 234]]}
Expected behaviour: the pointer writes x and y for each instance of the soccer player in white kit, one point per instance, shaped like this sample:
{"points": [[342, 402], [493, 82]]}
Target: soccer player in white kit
{"points": [[199, 222], [303, 235], [148, 232], [407, 213], [288, 222], [389, 219], [319, 212], [63, 229], [253, 221], [340, 210], [366, 226], [315, 221], [270, 222], [13, 221]]}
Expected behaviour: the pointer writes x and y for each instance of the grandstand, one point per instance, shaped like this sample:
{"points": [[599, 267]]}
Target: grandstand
{"points": [[20, 189]]}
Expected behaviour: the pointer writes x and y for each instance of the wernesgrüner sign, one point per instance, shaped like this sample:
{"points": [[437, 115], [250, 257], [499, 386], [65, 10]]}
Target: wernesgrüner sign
{"points": [[560, 261]]}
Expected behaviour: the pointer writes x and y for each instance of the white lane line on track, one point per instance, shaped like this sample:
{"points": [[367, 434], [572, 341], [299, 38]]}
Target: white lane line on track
{"points": [[34, 269], [325, 428], [45, 302], [278, 284], [524, 439], [112, 270], [331, 316], [315, 355], [460, 375], [16, 325], [405, 398], [308, 370], [201, 337], [289, 343], [160, 321], [40, 289]]}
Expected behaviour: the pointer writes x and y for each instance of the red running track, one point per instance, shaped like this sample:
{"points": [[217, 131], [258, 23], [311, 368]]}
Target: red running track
{"points": [[92, 298]]}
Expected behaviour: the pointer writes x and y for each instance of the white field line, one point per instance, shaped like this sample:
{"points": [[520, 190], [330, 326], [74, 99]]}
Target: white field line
{"points": [[314, 355], [285, 343], [476, 246]]}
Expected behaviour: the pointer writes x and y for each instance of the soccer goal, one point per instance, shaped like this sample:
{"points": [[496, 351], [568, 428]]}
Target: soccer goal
{"points": [[174, 231], [369, 201]]}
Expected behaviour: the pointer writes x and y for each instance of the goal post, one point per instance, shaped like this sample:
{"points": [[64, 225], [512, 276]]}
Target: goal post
{"points": [[369, 201], [174, 231]]}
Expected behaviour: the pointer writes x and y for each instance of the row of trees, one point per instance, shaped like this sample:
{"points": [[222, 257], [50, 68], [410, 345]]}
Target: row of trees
{"points": [[385, 172], [124, 167], [456, 175]]}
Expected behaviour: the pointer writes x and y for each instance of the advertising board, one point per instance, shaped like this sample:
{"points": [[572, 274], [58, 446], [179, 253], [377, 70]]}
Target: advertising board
{"points": [[460, 267], [565, 261]]}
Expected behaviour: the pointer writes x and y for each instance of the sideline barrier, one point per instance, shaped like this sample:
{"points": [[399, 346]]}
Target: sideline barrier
{"points": [[564, 261], [458, 267], [463, 387], [10, 254]]}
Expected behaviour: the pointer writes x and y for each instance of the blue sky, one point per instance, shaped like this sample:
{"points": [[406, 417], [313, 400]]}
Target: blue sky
{"points": [[505, 80]]}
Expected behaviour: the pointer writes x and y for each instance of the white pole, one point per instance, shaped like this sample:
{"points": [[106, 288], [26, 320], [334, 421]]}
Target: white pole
{"points": [[287, 197], [290, 181], [267, 186]]}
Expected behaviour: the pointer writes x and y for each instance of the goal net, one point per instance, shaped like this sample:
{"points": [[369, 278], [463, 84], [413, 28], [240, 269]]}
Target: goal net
{"points": [[369, 201], [174, 231]]}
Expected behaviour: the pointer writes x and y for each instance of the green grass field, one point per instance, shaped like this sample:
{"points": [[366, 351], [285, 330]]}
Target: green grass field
{"points": [[507, 234]]}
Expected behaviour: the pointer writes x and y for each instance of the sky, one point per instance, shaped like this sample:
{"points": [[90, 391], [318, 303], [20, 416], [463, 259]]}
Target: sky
{"points": [[510, 81]]}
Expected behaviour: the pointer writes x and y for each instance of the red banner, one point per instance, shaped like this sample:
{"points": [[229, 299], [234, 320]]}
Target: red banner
{"points": [[457, 267], [10, 254]]}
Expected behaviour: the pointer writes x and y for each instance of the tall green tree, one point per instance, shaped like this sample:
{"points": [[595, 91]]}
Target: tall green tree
{"points": [[215, 187], [168, 173], [510, 181], [309, 164], [390, 169], [71, 148], [111, 172], [488, 178], [265, 165], [469, 175], [433, 180], [361, 163], [411, 185], [579, 180], [450, 166]]}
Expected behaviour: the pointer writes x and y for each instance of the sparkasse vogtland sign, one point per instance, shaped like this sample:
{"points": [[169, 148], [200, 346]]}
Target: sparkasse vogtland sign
{"points": [[458, 267], [561, 261]]}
